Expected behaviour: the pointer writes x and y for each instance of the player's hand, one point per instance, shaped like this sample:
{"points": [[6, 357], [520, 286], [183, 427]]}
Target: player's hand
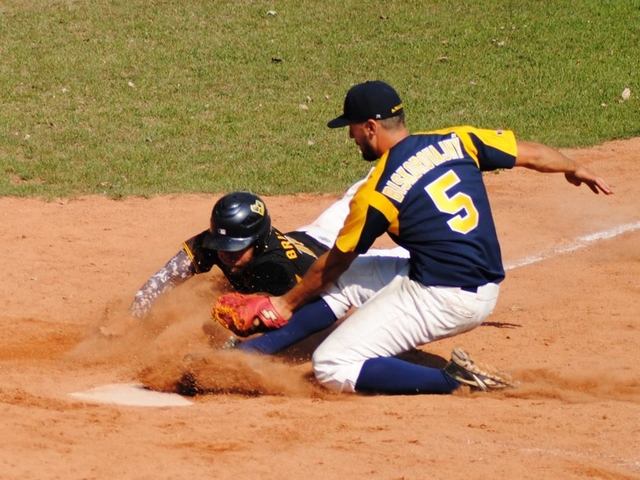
{"points": [[584, 175], [140, 306], [246, 314], [281, 307]]}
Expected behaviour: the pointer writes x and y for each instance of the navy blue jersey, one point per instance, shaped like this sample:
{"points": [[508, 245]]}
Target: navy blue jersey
{"points": [[427, 192]]}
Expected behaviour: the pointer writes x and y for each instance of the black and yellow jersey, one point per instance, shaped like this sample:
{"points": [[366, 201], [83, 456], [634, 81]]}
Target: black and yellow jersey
{"points": [[427, 192], [273, 270]]}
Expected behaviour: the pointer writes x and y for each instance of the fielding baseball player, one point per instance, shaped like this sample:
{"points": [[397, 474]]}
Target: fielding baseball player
{"points": [[426, 191]]}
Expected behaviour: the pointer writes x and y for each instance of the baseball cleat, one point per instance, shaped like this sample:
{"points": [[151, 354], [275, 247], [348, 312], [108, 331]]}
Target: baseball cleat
{"points": [[464, 370]]}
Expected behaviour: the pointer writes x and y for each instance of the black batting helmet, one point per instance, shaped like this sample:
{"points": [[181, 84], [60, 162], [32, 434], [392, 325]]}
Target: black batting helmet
{"points": [[238, 220]]}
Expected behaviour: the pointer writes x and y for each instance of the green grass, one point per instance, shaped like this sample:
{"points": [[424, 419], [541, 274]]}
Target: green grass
{"points": [[145, 97]]}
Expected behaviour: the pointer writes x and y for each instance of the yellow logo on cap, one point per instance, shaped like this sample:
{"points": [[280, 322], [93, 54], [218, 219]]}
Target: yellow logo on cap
{"points": [[258, 207], [396, 108]]}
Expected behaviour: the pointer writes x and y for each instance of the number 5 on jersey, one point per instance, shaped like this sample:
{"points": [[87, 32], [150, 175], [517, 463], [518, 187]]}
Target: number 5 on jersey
{"points": [[460, 204]]}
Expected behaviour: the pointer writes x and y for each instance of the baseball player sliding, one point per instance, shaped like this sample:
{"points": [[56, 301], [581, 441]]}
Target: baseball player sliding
{"points": [[426, 191], [256, 257]]}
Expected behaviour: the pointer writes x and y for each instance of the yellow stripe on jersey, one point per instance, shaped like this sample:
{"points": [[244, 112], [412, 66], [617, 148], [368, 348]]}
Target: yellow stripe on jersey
{"points": [[503, 140], [365, 197], [191, 256], [301, 247], [188, 251]]}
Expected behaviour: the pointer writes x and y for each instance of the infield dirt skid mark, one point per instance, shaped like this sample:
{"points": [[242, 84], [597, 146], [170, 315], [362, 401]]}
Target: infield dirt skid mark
{"points": [[578, 388]]}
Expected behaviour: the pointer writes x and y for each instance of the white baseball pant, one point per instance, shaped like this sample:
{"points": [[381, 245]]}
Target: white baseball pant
{"points": [[395, 315]]}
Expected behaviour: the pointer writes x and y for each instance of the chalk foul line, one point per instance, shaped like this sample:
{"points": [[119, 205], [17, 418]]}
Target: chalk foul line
{"points": [[577, 244]]}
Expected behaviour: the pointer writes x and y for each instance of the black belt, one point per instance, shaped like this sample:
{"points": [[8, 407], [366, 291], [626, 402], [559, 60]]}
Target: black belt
{"points": [[470, 289]]}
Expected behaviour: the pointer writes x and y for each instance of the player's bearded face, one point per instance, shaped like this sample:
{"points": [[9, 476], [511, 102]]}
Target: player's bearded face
{"points": [[236, 260], [358, 132], [368, 152]]}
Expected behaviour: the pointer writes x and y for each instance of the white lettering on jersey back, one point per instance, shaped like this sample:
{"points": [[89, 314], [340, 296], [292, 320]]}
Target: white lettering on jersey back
{"points": [[413, 168]]}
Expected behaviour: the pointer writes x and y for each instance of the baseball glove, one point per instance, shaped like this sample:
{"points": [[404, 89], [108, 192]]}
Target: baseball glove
{"points": [[245, 315]]}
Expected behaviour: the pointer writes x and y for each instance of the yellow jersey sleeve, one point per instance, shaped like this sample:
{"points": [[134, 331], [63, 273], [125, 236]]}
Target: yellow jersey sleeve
{"points": [[370, 215]]}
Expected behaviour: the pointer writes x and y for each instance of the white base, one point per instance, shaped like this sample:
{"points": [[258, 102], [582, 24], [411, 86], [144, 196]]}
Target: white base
{"points": [[131, 394]]}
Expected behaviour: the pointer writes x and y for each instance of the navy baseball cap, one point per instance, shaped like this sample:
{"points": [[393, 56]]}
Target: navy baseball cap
{"points": [[372, 99]]}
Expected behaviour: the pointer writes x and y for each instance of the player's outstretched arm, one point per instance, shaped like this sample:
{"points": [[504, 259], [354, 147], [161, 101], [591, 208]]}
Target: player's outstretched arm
{"points": [[542, 158], [176, 271], [324, 271]]}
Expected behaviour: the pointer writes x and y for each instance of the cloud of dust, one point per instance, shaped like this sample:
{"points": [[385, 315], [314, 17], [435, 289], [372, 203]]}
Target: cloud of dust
{"points": [[208, 371], [582, 388], [169, 351]]}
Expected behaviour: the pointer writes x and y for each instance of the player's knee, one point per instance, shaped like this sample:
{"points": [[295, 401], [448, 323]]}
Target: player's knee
{"points": [[325, 372], [332, 373]]}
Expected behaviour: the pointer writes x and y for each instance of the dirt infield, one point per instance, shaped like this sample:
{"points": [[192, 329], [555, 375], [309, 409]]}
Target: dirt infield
{"points": [[566, 327]]}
